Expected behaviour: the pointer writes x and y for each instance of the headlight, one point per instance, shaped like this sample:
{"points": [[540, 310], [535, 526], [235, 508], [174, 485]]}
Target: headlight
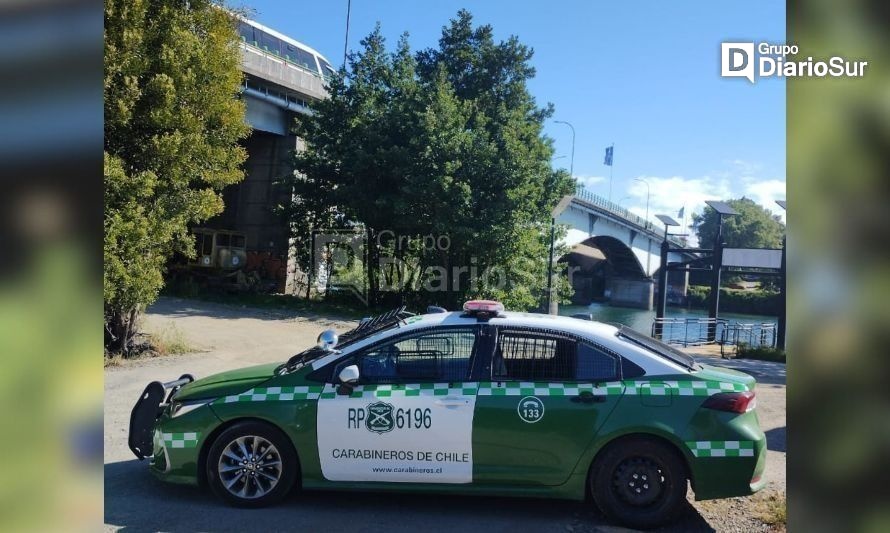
{"points": [[181, 408]]}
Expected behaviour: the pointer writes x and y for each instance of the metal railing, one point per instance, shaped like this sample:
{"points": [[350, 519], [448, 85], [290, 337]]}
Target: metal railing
{"points": [[689, 331], [699, 331], [753, 334], [621, 212]]}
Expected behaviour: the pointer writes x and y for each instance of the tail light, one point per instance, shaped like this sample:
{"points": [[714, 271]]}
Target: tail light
{"points": [[732, 402]]}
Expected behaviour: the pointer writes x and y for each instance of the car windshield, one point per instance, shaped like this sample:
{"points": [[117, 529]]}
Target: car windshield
{"points": [[656, 346], [365, 329]]}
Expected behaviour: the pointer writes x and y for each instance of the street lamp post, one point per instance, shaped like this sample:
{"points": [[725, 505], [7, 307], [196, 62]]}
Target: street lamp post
{"points": [[647, 197], [648, 255], [572, 160], [552, 305]]}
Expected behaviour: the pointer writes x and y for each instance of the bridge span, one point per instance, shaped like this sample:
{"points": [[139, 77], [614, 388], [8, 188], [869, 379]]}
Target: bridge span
{"points": [[614, 254]]}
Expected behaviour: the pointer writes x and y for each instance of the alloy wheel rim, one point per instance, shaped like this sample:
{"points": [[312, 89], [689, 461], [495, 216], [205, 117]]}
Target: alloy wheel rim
{"points": [[639, 481], [249, 467]]}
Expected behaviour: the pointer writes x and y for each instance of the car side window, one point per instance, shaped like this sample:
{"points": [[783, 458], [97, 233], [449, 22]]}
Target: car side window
{"points": [[434, 356], [533, 356], [595, 364]]}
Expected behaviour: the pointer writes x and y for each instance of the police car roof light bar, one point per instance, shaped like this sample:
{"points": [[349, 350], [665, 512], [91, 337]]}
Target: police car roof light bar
{"points": [[483, 309]]}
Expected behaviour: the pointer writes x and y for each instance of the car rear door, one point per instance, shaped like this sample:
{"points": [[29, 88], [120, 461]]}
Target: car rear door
{"points": [[409, 418], [548, 395]]}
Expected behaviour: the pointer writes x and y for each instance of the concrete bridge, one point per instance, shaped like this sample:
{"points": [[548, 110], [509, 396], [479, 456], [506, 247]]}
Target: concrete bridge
{"points": [[282, 77], [614, 254]]}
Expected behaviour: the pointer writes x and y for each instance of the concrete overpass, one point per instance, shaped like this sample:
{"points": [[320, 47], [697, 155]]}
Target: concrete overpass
{"points": [[282, 77], [614, 254]]}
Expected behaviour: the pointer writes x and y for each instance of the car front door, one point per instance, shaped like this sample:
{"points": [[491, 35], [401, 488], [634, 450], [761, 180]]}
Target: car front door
{"points": [[409, 416], [547, 397]]}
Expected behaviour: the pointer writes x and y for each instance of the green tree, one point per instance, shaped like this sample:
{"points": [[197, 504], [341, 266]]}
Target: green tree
{"points": [[754, 227], [447, 142], [172, 125]]}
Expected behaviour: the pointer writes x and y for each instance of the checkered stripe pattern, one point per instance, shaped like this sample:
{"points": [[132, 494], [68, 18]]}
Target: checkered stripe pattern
{"points": [[404, 390], [681, 388], [722, 448], [504, 388], [276, 394], [180, 440], [537, 388]]}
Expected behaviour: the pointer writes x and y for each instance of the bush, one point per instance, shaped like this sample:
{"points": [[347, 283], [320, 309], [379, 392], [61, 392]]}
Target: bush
{"points": [[761, 353], [754, 302]]}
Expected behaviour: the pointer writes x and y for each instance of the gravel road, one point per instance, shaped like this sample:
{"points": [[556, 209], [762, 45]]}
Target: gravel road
{"points": [[228, 337]]}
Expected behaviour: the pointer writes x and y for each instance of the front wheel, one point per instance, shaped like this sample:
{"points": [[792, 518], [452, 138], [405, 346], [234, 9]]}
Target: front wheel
{"points": [[639, 482], [251, 464]]}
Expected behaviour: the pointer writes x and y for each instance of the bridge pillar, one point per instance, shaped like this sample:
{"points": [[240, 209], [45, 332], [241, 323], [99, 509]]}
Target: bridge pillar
{"points": [[638, 293]]}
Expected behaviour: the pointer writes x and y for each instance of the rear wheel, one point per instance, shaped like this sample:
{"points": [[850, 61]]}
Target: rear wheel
{"points": [[251, 464], [639, 482]]}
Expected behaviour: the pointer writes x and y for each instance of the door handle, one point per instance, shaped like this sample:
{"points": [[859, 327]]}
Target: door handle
{"points": [[451, 402], [588, 397]]}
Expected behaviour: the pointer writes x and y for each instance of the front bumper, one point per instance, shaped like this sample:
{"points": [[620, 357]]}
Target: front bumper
{"points": [[145, 413]]}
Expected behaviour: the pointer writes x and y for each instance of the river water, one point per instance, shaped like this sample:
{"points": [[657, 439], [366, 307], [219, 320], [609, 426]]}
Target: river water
{"points": [[641, 320]]}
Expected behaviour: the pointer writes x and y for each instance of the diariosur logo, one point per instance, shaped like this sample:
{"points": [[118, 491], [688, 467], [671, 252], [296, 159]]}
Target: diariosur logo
{"points": [[766, 60]]}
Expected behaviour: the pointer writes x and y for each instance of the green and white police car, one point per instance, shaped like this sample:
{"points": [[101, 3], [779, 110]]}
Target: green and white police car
{"points": [[476, 402]]}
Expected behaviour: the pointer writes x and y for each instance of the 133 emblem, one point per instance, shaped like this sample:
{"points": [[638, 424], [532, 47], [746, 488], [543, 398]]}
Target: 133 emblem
{"points": [[530, 409], [380, 418]]}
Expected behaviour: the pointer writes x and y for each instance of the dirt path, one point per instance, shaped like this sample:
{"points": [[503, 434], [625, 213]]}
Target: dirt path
{"points": [[229, 337]]}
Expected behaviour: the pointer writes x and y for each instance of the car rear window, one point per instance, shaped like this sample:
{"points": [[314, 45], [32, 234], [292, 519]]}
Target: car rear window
{"points": [[657, 347], [539, 356]]}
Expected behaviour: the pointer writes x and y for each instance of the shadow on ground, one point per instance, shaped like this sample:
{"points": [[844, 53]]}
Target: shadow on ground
{"points": [[766, 372], [776, 439], [137, 502], [174, 307]]}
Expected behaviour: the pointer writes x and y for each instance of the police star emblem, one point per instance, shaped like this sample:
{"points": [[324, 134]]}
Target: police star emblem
{"points": [[380, 418]]}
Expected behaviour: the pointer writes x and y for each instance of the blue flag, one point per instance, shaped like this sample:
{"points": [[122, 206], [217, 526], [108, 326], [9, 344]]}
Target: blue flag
{"points": [[608, 161], [681, 211]]}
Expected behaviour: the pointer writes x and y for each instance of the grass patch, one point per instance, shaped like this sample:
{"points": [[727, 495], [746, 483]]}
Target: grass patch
{"points": [[114, 360], [170, 341], [771, 509], [761, 353]]}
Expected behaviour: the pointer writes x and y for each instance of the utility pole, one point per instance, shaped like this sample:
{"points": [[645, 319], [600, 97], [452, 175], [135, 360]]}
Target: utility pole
{"points": [[661, 303], [780, 334], [346, 41], [716, 266], [611, 169]]}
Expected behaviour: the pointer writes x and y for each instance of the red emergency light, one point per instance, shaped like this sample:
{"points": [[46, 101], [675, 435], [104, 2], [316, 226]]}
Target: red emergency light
{"points": [[483, 308]]}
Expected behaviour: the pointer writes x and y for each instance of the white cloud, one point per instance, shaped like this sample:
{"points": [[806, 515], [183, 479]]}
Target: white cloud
{"points": [[589, 181], [742, 167], [765, 193], [668, 195]]}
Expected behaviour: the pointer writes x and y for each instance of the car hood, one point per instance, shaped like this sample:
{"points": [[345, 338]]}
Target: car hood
{"points": [[226, 383], [717, 373]]}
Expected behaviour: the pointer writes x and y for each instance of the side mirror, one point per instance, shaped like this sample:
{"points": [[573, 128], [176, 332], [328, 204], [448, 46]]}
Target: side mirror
{"points": [[349, 374], [327, 340], [348, 378]]}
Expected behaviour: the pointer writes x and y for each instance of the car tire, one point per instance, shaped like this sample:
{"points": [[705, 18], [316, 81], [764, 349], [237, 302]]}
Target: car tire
{"points": [[252, 464], [639, 482]]}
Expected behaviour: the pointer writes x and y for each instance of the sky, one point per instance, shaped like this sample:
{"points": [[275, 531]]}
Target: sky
{"points": [[644, 75]]}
